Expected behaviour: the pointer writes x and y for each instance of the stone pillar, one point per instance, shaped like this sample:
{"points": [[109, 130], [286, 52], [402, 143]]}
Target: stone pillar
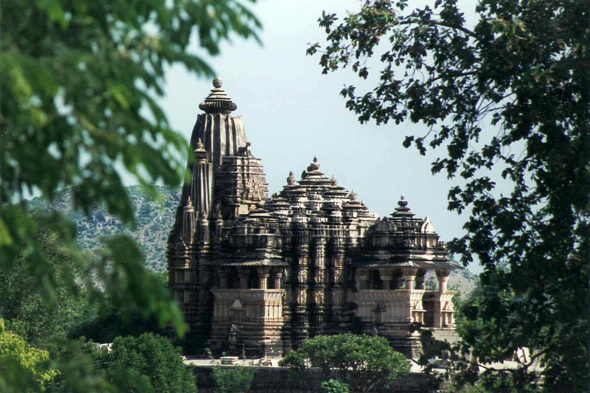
{"points": [[243, 274], [362, 278], [188, 222], [217, 224], [409, 276], [442, 275], [278, 277], [263, 274], [223, 279], [386, 275], [203, 228], [201, 189], [421, 275]]}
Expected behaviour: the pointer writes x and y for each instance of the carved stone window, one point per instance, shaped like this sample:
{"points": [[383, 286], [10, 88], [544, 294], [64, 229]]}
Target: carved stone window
{"points": [[271, 280], [253, 280], [375, 281], [233, 280]]}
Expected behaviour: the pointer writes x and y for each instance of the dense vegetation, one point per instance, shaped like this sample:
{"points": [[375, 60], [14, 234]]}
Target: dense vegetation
{"points": [[49, 346], [79, 82], [363, 363], [504, 98]]}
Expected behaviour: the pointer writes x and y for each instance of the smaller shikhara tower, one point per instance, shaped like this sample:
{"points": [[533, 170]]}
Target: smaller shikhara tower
{"points": [[260, 274]]}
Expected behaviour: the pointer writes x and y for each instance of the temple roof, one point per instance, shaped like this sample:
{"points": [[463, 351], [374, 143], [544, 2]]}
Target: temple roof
{"points": [[441, 263], [252, 262]]}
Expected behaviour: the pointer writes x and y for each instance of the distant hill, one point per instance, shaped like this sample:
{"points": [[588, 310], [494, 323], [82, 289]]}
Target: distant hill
{"points": [[154, 220]]}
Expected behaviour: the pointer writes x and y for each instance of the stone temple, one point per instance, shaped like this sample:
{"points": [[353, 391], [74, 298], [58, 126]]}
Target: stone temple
{"points": [[258, 275]]}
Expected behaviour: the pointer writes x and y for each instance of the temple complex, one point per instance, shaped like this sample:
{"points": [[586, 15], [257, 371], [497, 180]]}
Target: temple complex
{"points": [[261, 274]]}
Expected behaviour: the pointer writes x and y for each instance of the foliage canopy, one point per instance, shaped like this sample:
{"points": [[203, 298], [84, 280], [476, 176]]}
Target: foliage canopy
{"points": [[23, 305], [18, 358], [363, 362], [79, 81], [231, 379], [153, 357], [508, 98]]}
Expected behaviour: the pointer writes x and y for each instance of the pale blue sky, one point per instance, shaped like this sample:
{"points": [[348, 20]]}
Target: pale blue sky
{"points": [[292, 112]]}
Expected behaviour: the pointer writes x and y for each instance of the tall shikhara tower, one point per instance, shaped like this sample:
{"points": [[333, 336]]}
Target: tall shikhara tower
{"points": [[261, 274]]}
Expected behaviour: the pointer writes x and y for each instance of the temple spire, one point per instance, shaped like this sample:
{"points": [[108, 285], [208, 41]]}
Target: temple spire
{"points": [[403, 210], [218, 101]]}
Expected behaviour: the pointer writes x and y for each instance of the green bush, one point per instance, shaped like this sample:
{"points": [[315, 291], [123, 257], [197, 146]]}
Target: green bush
{"points": [[363, 362], [335, 386], [155, 358], [232, 379], [22, 364]]}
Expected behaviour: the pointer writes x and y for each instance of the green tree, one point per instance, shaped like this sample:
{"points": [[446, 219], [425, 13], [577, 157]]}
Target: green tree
{"points": [[363, 362], [21, 365], [81, 368], [232, 379], [152, 358], [79, 81], [508, 98], [23, 306]]}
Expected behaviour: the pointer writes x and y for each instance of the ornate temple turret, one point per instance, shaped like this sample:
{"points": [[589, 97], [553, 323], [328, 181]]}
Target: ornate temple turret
{"points": [[260, 274], [220, 132], [226, 180]]}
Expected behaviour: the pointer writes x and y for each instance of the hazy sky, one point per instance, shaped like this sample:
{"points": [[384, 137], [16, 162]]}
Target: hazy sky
{"points": [[292, 112]]}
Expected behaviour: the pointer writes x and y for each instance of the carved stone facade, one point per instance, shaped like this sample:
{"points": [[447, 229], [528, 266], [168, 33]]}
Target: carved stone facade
{"points": [[262, 274]]}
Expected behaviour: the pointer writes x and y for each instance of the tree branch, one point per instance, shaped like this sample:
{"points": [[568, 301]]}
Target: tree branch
{"points": [[443, 24]]}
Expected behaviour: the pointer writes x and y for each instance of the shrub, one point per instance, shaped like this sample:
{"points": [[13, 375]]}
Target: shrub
{"points": [[335, 386], [232, 379], [154, 357], [363, 362]]}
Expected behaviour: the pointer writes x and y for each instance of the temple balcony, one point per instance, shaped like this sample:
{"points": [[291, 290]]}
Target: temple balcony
{"points": [[248, 305], [401, 307]]}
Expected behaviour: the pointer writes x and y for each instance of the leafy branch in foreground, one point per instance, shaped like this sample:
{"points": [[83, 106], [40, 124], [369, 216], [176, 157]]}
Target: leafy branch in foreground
{"points": [[507, 98], [79, 81]]}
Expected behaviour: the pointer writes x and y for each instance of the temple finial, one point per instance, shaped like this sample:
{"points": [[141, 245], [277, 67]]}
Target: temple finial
{"points": [[402, 210], [402, 201], [218, 101], [314, 166]]}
